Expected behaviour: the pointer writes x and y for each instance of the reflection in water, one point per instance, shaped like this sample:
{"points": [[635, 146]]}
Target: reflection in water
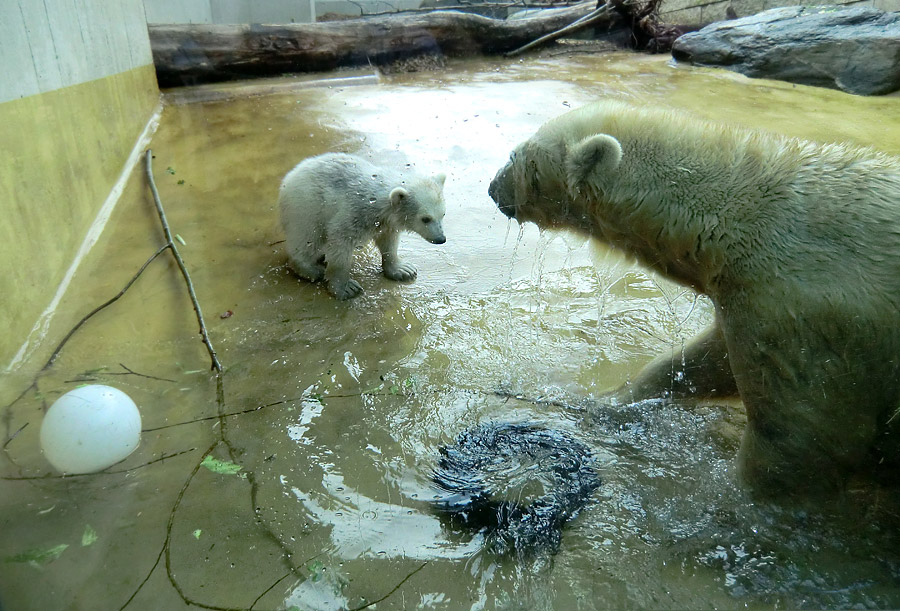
{"points": [[360, 526], [364, 528], [335, 412]]}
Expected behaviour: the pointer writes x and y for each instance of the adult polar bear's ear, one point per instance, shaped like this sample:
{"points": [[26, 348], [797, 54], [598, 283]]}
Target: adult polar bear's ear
{"points": [[599, 153], [439, 179], [398, 196]]}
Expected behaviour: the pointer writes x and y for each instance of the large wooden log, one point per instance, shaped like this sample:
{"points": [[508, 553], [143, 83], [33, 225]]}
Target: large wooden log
{"points": [[189, 54]]}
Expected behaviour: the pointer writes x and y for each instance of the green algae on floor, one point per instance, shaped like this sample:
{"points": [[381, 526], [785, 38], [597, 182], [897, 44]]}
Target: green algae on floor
{"points": [[308, 486]]}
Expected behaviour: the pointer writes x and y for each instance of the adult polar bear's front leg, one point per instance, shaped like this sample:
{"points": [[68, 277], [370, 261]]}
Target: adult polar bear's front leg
{"points": [[810, 422], [700, 370]]}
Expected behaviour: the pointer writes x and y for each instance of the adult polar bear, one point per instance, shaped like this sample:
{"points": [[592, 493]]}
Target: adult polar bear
{"points": [[797, 244]]}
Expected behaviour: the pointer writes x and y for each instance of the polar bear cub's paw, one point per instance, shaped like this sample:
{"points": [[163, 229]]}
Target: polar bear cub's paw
{"points": [[345, 290], [402, 272]]}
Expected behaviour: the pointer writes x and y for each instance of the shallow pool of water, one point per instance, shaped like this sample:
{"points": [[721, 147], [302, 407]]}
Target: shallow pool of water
{"points": [[304, 480]]}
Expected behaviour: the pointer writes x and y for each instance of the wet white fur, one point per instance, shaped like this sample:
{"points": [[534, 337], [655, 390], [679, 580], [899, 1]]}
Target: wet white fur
{"points": [[796, 243], [333, 203]]}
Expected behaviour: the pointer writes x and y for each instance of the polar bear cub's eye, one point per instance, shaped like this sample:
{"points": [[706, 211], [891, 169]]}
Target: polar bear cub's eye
{"points": [[426, 219]]}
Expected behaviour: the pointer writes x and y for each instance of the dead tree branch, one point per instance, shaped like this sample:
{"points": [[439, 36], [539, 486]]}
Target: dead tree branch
{"points": [[170, 243], [468, 6], [600, 13], [77, 326]]}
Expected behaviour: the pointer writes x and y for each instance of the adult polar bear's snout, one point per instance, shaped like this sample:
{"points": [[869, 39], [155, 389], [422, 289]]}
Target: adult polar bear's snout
{"points": [[501, 191]]}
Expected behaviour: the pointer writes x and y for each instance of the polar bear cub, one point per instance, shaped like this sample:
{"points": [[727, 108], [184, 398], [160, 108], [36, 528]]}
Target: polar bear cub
{"points": [[333, 203]]}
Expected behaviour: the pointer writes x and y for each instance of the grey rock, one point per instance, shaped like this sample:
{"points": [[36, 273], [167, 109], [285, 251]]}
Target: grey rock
{"points": [[856, 49]]}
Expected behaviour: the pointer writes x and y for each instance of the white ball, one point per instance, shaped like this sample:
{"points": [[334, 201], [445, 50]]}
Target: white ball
{"points": [[90, 428]]}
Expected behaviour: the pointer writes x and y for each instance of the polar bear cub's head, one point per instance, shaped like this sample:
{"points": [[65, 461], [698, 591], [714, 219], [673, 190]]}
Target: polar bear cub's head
{"points": [[419, 207]]}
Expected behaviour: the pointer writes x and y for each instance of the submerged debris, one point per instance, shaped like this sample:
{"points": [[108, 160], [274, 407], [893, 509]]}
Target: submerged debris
{"points": [[516, 483], [427, 62]]}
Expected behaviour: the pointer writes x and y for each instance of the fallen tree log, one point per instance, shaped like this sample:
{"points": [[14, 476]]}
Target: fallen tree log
{"points": [[191, 54]]}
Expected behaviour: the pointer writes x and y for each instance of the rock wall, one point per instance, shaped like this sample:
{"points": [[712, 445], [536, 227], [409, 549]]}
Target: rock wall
{"points": [[851, 48], [702, 12]]}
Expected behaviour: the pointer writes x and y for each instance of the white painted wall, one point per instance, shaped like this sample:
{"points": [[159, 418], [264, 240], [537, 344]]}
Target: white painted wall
{"points": [[50, 44], [178, 11], [278, 11], [344, 7], [263, 11], [228, 11]]}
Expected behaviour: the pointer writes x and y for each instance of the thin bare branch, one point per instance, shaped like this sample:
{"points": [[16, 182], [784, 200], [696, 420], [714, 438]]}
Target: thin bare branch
{"points": [[148, 159], [468, 6], [269, 589], [397, 587], [50, 476], [138, 374], [111, 301], [81, 322], [597, 14]]}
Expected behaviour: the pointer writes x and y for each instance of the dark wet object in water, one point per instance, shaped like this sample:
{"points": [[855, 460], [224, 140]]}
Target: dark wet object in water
{"points": [[516, 483]]}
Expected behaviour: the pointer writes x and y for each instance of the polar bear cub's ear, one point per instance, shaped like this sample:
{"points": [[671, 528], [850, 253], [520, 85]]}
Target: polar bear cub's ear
{"points": [[595, 154], [439, 179], [398, 196]]}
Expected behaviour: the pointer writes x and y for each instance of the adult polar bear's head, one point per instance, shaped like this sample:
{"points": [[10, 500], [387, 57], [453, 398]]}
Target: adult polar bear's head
{"points": [[647, 182], [545, 177]]}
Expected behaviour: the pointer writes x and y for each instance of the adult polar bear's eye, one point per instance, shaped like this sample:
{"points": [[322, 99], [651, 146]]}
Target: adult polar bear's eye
{"points": [[426, 219]]}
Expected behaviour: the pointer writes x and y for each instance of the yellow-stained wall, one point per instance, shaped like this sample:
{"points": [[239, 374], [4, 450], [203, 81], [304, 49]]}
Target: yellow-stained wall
{"points": [[81, 92]]}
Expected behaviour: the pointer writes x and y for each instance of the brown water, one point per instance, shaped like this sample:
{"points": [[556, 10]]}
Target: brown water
{"points": [[334, 412]]}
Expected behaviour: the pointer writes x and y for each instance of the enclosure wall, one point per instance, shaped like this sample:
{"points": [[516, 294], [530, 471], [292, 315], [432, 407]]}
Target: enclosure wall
{"points": [[684, 12], [78, 90], [271, 11], [229, 11], [701, 12]]}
